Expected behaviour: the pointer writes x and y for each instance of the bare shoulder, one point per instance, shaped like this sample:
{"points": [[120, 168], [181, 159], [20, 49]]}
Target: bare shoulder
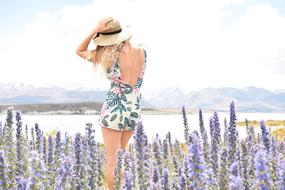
{"points": [[140, 52]]}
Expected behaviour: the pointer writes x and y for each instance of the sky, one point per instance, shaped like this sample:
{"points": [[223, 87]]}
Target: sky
{"points": [[190, 44]]}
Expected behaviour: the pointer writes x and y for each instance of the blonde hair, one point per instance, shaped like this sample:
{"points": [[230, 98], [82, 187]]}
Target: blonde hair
{"points": [[107, 55]]}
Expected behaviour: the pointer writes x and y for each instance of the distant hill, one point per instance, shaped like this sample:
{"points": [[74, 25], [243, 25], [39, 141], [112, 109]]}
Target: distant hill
{"points": [[250, 99], [247, 99]]}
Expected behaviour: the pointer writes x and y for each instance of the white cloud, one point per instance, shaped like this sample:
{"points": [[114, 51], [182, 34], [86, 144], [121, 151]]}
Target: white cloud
{"points": [[187, 47]]}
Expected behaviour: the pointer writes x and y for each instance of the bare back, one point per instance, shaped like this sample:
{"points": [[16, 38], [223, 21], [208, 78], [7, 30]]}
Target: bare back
{"points": [[131, 64]]}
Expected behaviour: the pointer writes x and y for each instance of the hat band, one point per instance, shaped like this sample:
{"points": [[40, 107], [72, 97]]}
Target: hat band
{"points": [[108, 33]]}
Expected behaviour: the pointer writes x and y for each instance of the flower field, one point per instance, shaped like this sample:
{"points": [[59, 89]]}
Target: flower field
{"points": [[207, 159]]}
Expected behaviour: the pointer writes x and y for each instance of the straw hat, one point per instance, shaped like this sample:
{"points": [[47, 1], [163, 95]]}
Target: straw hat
{"points": [[115, 34]]}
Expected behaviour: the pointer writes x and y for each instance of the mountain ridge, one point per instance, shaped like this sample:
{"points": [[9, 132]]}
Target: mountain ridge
{"points": [[247, 99]]}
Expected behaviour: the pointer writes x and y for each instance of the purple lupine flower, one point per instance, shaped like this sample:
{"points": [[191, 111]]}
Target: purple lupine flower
{"points": [[157, 153], [10, 150], [39, 137], [217, 129], [45, 150], [211, 127], [232, 144], [3, 177], [223, 172], [182, 180], [245, 166], [281, 147], [273, 161], [63, 178], [37, 173], [1, 130], [177, 151], [19, 144], [196, 164], [165, 149], [91, 157], [204, 136], [58, 144], [185, 124], [165, 180], [51, 167], [100, 162], [250, 146], [211, 181], [235, 180], [118, 168], [175, 184], [50, 151], [32, 142], [175, 164], [155, 176], [2, 137], [226, 132], [129, 180], [168, 137], [78, 161], [26, 133], [261, 171], [265, 136], [20, 150], [281, 183], [214, 124], [141, 152]]}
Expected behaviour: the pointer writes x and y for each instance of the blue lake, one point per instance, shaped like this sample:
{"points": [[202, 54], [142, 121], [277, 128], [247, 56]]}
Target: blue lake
{"points": [[153, 124]]}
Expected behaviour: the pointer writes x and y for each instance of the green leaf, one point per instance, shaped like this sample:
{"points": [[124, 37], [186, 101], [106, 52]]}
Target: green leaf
{"points": [[120, 125], [126, 121], [124, 98], [106, 116], [121, 118], [134, 114], [129, 108], [128, 102], [113, 117], [105, 122], [132, 124]]}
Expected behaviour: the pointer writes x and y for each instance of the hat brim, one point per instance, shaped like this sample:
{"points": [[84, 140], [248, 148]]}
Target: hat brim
{"points": [[107, 40]]}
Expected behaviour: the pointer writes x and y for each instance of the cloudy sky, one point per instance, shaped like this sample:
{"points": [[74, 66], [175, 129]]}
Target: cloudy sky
{"points": [[190, 44]]}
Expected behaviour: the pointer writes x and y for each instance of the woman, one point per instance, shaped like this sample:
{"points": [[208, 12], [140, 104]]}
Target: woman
{"points": [[124, 65]]}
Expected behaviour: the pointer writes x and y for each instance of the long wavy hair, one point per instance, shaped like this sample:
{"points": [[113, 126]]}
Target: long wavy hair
{"points": [[107, 55]]}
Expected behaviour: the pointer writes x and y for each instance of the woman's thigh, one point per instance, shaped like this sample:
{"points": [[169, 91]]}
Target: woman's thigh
{"points": [[112, 143], [126, 135]]}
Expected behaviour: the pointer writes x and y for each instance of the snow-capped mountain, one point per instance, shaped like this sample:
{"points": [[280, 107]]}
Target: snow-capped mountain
{"points": [[246, 99]]}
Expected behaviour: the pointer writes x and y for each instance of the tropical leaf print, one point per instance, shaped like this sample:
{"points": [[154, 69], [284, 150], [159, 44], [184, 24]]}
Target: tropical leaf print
{"points": [[134, 114], [113, 99], [132, 124], [123, 102], [113, 117], [139, 83], [137, 104], [119, 107], [104, 121], [126, 121], [120, 126], [124, 98]]}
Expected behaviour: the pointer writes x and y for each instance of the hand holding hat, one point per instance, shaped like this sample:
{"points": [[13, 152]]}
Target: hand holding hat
{"points": [[109, 32], [102, 24]]}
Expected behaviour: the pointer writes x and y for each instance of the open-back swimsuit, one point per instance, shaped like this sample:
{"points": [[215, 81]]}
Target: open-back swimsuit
{"points": [[122, 107]]}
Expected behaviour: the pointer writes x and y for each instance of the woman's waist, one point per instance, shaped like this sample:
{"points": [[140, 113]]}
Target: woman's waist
{"points": [[124, 87]]}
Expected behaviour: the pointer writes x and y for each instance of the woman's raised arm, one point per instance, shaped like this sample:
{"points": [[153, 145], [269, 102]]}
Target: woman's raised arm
{"points": [[82, 48]]}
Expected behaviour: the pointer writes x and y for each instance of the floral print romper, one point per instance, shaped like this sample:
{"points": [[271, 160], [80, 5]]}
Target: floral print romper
{"points": [[122, 107]]}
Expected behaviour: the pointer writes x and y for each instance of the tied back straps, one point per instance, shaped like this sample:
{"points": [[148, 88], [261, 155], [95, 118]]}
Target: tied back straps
{"points": [[108, 33]]}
